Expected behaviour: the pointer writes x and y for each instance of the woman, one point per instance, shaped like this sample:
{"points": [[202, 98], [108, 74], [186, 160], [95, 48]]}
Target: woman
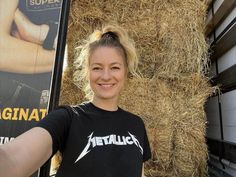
{"points": [[97, 138]]}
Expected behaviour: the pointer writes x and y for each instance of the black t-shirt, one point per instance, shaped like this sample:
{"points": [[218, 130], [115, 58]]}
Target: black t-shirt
{"points": [[97, 143]]}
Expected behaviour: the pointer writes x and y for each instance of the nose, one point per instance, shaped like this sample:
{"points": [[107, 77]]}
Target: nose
{"points": [[106, 74]]}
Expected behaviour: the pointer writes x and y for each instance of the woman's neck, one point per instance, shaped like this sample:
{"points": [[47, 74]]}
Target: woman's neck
{"points": [[109, 105]]}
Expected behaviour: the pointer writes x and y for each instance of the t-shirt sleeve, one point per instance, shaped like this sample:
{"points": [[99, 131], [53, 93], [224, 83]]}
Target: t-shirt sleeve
{"points": [[146, 146], [57, 123]]}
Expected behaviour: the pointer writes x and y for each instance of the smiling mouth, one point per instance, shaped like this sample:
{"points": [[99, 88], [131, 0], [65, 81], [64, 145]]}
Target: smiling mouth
{"points": [[106, 85]]}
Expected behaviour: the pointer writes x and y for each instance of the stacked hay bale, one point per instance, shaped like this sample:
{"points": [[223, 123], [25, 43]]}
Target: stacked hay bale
{"points": [[171, 95]]}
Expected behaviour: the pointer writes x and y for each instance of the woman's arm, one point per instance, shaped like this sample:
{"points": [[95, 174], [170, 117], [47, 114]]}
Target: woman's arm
{"points": [[26, 153], [18, 55]]}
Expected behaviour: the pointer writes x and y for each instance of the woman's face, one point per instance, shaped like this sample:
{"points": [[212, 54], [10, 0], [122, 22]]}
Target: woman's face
{"points": [[107, 73]]}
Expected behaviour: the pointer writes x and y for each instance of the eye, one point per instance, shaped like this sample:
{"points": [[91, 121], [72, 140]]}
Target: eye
{"points": [[96, 68], [115, 68]]}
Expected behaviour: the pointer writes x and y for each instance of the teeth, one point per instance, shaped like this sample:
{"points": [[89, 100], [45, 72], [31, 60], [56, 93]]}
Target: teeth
{"points": [[106, 85]]}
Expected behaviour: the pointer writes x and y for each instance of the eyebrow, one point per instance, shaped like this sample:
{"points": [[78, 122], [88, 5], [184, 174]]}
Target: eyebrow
{"points": [[100, 64]]}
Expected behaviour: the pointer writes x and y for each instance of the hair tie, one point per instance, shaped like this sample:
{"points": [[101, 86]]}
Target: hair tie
{"points": [[96, 35]]}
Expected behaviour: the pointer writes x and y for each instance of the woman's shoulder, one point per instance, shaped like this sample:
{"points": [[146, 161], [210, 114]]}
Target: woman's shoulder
{"points": [[132, 116], [67, 109], [75, 109]]}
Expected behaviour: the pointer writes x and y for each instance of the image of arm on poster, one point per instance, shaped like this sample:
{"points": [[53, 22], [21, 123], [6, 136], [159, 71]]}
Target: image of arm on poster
{"points": [[28, 31], [22, 53]]}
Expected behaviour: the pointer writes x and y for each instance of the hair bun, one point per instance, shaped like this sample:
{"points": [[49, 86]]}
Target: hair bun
{"points": [[110, 34]]}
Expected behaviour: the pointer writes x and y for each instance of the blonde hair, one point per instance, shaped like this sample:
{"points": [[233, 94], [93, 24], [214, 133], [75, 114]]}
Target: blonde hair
{"points": [[110, 36]]}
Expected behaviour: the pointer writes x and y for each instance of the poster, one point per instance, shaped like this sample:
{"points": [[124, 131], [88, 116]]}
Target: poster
{"points": [[28, 43]]}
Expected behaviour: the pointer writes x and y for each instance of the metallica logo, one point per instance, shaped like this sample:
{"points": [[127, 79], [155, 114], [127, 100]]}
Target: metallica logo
{"points": [[107, 140]]}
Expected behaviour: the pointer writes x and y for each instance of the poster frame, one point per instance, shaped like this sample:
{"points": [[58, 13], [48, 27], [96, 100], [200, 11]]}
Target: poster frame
{"points": [[57, 71]]}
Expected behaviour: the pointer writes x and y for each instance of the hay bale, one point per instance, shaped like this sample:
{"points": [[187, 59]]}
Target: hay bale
{"points": [[168, 34], [146, 102], [70, 94], [173, 111], [171, 96]]}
